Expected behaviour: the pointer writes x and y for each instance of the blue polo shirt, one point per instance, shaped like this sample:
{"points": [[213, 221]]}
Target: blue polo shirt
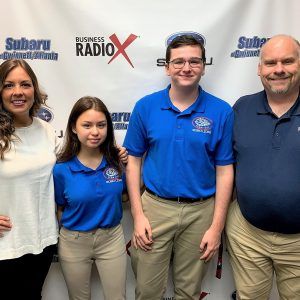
{"points": [[267, 150], [182, 148], [92, 198]]}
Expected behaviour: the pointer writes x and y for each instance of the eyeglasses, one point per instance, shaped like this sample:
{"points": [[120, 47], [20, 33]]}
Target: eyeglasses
{"points": [[180, 63]]}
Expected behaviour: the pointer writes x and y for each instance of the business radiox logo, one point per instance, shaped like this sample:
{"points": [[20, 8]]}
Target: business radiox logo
{"points": [[101, 46], [25, 48], [248, 47], [161, 62]]}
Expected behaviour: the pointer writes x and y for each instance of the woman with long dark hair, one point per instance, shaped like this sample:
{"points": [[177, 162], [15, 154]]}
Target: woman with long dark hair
{"points": [[28, 227], [89, 183]]}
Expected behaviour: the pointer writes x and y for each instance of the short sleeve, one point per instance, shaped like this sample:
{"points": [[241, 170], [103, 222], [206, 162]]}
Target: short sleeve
{"points": [[136, 137], [224, 154], [59, 186]]}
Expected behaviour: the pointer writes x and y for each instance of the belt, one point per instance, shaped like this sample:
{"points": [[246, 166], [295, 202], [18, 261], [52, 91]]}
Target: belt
{"points": [[180, 199]]}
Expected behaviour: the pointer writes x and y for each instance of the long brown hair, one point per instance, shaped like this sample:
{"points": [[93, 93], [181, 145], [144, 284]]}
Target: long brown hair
{"points": [[7, 128], [71, 146]]}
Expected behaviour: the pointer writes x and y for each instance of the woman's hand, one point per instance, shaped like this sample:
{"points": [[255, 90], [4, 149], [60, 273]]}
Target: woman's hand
{"points": [[123, 154], [5, 224]]}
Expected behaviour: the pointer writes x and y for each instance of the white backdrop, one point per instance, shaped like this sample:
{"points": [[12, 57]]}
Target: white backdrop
{"points": [[71, 46]]}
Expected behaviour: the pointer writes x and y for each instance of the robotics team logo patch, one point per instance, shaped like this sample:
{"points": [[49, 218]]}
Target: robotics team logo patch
{"points": [[111, 175], [202, 124]]}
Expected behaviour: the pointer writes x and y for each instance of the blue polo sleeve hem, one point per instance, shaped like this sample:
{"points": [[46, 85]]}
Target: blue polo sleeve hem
{"points": [[133, 153], [225, 162], [135, 140]]}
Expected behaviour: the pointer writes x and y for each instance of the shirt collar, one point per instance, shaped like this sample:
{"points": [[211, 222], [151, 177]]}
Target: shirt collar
{"points": [[295, 110], [76, 166], [264, 108], [198, 106]]}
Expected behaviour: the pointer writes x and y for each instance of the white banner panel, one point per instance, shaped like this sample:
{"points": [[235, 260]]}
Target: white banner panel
{"points": [[115, 50]]}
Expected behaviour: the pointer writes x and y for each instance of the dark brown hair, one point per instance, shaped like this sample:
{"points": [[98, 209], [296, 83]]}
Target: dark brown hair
{"points": [[71, 146], [184, 40], [7, 128]]}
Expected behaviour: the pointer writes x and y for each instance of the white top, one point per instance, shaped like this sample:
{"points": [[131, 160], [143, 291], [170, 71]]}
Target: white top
{"points": [[27, 191]]}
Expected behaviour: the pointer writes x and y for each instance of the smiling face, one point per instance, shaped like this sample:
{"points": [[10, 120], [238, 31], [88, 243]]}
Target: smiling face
{"points": [[18, 96], [186, 76], [91, 129], [279, 67]]}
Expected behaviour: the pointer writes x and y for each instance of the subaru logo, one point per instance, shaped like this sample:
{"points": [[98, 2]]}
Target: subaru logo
{"points": [[45, 114]]}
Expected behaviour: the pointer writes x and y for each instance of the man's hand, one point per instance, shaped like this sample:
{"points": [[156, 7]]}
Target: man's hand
{"points": [[142, 234], [210, 244], [212, 238], [5, 224]]}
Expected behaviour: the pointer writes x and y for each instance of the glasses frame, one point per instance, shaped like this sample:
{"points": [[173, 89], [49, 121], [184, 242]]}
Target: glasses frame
{"points": [[184, 62]]}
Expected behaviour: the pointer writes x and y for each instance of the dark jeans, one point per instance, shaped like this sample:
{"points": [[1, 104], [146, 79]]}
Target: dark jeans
{"points": [[23, 277]]}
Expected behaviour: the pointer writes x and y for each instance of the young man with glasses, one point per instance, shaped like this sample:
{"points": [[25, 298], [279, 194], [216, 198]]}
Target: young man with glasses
{"points": [[185, 134]]}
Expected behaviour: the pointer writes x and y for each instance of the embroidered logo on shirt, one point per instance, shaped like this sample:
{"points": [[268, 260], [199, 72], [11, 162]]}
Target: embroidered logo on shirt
{"points": [[111, 175], [202, 124]]}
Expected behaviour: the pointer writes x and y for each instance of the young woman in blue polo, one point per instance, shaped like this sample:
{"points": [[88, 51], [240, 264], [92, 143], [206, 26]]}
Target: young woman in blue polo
{"points": [[89, 183]]}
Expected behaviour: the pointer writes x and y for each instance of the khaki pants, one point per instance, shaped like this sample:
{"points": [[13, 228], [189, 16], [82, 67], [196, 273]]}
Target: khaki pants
{"points": [[256, 254], [176, 228], [77, 252]]}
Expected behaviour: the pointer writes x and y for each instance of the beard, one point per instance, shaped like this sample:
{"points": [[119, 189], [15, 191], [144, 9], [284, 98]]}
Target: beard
{"points": [[280, 91], [283, 88]]}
